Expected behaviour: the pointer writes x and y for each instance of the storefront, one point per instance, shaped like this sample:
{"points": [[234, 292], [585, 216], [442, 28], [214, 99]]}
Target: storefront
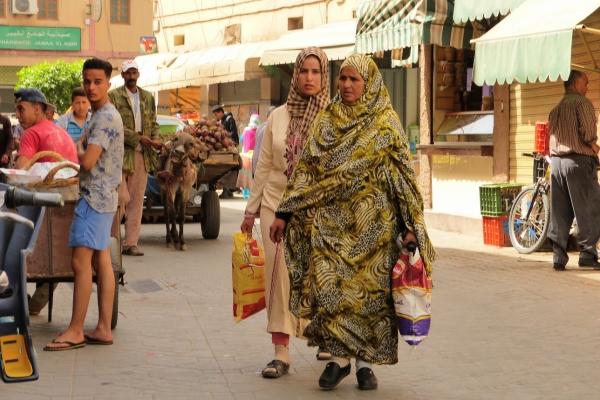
{"points": [[534, 56], [452, 165]]}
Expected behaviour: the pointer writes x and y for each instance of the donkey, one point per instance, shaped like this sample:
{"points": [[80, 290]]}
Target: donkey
{"points": [[176, 177]]}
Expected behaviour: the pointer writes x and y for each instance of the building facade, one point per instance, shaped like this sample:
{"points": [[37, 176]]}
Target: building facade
{"points": [[239, 54], [34, 31], [212, 51]]}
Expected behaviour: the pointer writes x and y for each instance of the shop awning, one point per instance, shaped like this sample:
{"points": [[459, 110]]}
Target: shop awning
{"points": [[215, 65], [397, 24], [533, 42], [149, 66], [336, 40], [473, 10]]}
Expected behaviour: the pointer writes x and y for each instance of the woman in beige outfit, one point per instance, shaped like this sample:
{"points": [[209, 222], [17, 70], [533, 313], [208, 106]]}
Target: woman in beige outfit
{"points": [[284, 137]]}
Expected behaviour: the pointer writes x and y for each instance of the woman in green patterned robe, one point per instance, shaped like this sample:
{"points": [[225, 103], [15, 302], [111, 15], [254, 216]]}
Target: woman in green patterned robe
{"points": [[351, 194]]}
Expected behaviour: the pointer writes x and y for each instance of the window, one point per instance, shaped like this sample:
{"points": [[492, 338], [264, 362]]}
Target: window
{"points": [[178, 40], [119, 11], [2, 8], [233, 34], [295, 23], [48, 9]]}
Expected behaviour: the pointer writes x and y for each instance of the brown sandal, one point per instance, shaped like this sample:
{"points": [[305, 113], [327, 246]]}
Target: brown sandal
{"points": [[279, 366]]}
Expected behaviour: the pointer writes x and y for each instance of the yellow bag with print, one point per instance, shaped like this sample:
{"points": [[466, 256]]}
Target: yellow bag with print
{"points": [[248, 262]]}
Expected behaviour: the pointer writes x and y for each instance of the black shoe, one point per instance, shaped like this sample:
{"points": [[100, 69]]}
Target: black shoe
{"points": [[366, 379], [333, 374], [559, 267], [227, 194], [589, 263]]}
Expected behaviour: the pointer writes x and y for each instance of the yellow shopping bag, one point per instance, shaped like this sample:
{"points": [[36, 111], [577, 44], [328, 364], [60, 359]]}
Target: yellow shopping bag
{"points": [[247, 261]]}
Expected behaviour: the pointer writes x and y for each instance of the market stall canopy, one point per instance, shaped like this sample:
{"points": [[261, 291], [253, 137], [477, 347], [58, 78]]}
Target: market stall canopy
{"points": [[533, 42], [474, 10], [149, 66], [215, 65], [398, 24], [336, 40]]}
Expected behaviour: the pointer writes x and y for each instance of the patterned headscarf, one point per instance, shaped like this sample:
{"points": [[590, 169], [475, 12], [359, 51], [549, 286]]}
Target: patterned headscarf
{"points": [[304, 109], [374, 100]]}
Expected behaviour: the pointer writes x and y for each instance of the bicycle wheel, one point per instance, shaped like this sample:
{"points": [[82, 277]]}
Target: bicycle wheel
{"points": [[528, 234]]}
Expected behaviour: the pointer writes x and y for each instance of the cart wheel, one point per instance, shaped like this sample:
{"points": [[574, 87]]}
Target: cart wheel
{"points": [[211, 221], [116, 259]]}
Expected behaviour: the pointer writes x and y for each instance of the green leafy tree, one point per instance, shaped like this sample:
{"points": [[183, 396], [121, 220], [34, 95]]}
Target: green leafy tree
{"points": [[56, 80]]}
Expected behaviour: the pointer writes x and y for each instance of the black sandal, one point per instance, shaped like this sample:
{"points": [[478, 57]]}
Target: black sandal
{"points": [[279, 366]]}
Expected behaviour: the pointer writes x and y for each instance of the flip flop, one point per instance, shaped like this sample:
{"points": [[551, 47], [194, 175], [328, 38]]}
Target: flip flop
{"points": [[70, 346], [91, 341]]}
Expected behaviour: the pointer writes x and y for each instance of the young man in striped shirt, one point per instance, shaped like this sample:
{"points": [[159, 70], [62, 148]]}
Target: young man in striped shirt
{"points": [[574, 176]]}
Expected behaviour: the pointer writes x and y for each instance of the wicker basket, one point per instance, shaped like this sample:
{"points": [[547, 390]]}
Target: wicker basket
{"points": [[68, 188]]}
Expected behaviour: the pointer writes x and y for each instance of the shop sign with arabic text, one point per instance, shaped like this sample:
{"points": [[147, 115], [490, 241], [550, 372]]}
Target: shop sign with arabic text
{"points": [[39, 38]]}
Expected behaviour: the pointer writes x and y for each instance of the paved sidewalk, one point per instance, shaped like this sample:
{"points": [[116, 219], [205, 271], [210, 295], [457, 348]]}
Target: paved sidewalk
{"points": [[504, 326]]}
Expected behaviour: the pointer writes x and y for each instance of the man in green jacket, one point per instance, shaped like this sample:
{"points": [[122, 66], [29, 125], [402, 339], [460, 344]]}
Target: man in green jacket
{"points": [[142, 137]]}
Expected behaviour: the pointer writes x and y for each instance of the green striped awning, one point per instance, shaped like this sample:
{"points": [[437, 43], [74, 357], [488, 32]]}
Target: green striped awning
{"points": [[398, 24], [475, 10]]}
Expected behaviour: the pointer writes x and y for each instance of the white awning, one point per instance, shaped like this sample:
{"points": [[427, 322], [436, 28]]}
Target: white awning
{"points": [[149, 66], [215, 65], [336, 40]]}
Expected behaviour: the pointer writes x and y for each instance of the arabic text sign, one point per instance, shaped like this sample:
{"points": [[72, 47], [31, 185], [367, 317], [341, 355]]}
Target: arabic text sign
{"points": [[39, 38]]}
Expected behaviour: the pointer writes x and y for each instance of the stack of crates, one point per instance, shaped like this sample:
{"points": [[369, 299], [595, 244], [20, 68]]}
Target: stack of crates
{"points": [[542, 138], [541, 146], [495, 202]]}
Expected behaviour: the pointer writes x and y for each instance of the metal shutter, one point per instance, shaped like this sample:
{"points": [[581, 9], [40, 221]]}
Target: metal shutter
{"points": [[394, 81], [234, 93]]}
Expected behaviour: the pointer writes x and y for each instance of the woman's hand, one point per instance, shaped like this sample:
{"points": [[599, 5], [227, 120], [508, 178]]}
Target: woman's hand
{"points": [[247, 225], [409, 237], [276, 230]]}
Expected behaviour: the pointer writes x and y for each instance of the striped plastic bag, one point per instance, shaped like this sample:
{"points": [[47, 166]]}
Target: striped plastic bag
{"points": [[411, 291], [248, 276]]}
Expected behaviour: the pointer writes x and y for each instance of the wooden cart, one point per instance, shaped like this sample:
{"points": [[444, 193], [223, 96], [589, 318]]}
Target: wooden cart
{"points": [[203, 204], [50, 260]]}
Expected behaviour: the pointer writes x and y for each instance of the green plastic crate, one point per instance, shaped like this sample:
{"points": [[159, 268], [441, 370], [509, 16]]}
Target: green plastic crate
{"points": [[495, 200]]}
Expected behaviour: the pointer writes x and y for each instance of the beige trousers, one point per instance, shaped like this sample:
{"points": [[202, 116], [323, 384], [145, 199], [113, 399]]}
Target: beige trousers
{"points": [[277, 284], [131, 200]]}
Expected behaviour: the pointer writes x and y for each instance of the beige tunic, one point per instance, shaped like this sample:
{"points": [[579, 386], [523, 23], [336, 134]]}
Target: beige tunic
{"points": [[269, 182]]}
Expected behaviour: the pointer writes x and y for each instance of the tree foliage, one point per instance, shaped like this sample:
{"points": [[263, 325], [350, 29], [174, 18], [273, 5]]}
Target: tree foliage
{"points": [[56, 80]]}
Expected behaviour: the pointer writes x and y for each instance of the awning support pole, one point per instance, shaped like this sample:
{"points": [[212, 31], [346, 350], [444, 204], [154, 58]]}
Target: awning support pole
{"points": [[585, 29], [585, 68], [587, 46]]}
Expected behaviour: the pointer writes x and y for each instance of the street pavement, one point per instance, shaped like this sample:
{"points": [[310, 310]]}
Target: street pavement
{"points": [[504, 326]]}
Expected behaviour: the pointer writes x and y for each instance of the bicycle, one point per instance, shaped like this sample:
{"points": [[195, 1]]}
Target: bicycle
{"points": [[529, 217]]}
